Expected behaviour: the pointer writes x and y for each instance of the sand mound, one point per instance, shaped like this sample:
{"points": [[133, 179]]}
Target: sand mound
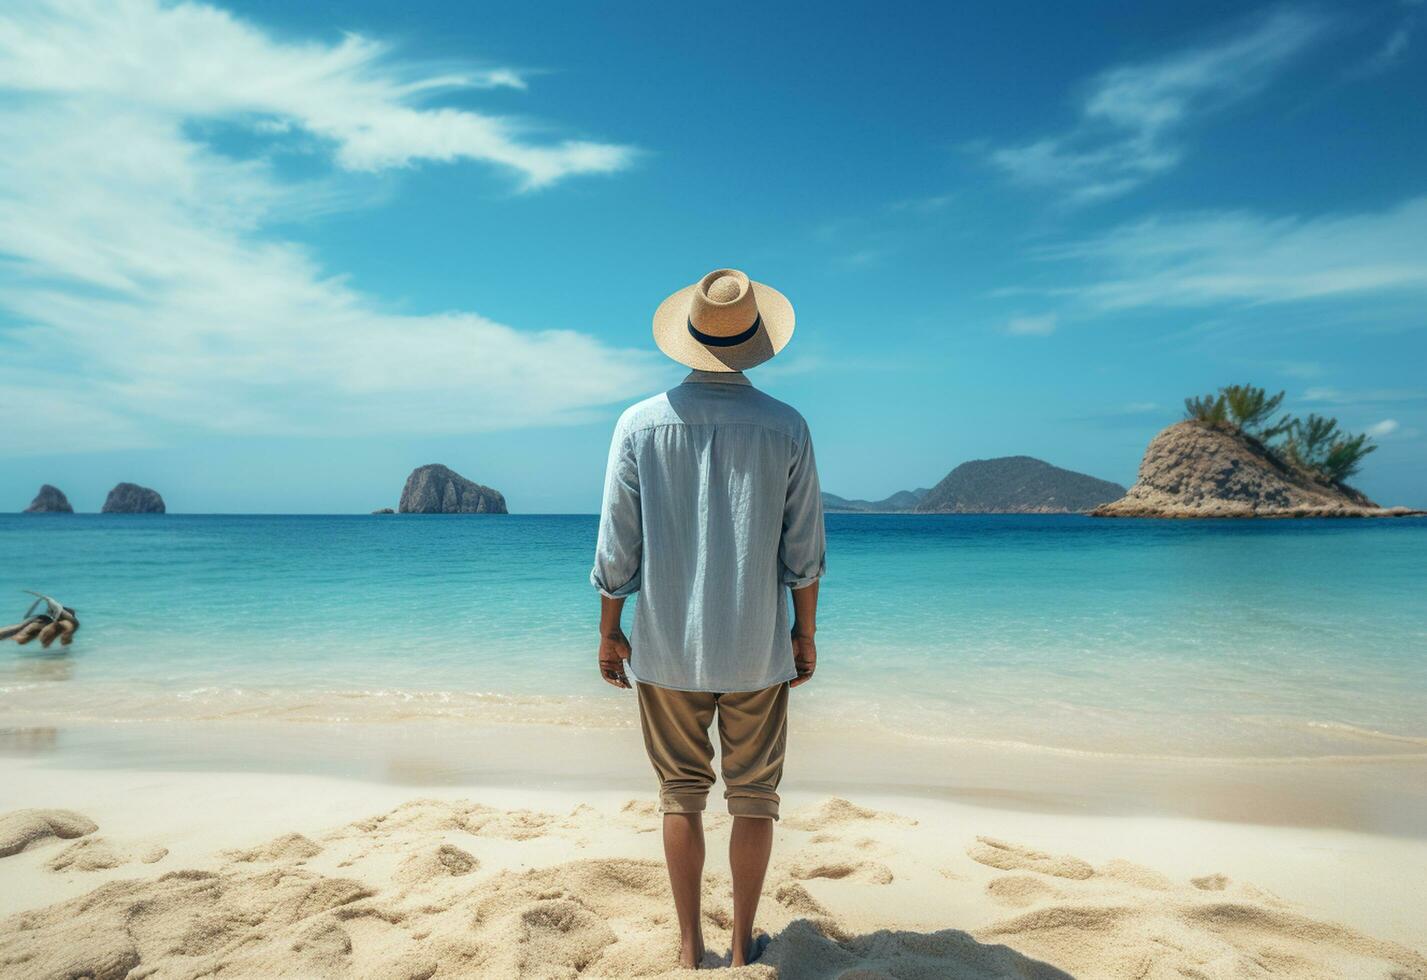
{"points": [[101, 854], [88, 854], [837, 812], [1175, 938], [414, 903], [446, 861], [432, 816], [1012, 857], [20, 829], [289, 848], [192, 922]]}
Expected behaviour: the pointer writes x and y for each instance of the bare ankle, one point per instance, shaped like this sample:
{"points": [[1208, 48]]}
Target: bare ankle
{"points": [[691, 950], [748, 951]]}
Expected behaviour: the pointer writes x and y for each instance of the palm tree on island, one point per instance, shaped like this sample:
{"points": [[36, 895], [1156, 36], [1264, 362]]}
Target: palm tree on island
{"points": [[1314, 445]]}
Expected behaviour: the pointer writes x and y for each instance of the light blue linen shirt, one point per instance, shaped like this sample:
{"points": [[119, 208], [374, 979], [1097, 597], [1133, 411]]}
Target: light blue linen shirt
{"points": [[711, 512]]}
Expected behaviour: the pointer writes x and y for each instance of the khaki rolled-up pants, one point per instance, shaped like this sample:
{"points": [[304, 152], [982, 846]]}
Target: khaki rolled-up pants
{"points": [[753, 735]]}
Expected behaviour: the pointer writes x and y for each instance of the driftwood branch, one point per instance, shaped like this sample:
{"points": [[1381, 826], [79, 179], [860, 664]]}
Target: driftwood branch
{"points": [[57, 622]]}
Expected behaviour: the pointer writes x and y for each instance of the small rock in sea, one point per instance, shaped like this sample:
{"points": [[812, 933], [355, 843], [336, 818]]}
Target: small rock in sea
{"points": [[50, 500], [384, 510], [130, 498]]}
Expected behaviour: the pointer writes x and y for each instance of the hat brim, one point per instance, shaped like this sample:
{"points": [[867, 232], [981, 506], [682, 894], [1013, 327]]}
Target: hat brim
{"points": [[671, 332]]}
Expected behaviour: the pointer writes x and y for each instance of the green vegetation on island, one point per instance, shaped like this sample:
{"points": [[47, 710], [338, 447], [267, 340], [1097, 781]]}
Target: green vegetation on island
{"points": [[1314, 444]]}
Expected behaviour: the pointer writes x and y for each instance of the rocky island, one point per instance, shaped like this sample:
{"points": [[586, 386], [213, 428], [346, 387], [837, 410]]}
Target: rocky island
{"points": [[1228, 460], [436, 489], [130, 498], [50, 500], [1006, 485]]}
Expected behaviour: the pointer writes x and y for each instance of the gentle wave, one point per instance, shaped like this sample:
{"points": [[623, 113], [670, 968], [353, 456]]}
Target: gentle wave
{"points": [[332, 706], [122, 704], [1016, 745], [1370, 734]]}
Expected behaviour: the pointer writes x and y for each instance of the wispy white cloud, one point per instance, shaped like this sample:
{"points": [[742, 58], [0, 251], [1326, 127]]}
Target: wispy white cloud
{"points": [[148, 295], [1126, 415], [923, 205], [1240, 257], [192, 61], [1304, 370], [862, 257], [1392, 49], [1132, 115], [1370, 396], [1032, 326], [1384, 428]]}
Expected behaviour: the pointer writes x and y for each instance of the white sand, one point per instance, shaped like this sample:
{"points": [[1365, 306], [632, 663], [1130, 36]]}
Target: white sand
{"points": [[188, 874]]}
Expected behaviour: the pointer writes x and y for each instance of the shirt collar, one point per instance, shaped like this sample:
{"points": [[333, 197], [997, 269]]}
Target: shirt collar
{"points": [[717, 378]]}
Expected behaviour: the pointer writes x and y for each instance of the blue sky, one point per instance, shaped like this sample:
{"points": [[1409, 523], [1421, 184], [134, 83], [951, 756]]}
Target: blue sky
{"points": [[269, 257]]}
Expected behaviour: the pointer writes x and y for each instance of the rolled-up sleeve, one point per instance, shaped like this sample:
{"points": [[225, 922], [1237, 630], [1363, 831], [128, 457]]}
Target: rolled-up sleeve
{"points": [[802, 554], [619, 552]]}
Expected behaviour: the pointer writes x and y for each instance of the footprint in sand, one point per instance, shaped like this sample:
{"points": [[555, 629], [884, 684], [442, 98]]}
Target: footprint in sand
{"points": [[444, 862], [807, 868], [1012, 857], [796, 899], [1210, 883], [1135, 874], [1019, 891], [88, 854]]}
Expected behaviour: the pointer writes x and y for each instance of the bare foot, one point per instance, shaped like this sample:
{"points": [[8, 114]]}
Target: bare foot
{"points": [[691, 952]]}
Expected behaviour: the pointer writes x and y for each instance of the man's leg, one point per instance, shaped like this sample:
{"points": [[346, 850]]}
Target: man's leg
{"points": [[684, 854], [753, 729], [748, 850], [675, 726]]}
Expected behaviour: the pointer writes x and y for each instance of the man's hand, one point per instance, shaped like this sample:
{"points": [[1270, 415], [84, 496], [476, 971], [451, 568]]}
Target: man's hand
{"points": [[614, 651], [805, 624], [805, 657], [614, 645]]}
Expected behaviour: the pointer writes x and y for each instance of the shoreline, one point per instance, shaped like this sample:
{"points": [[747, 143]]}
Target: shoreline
{"points": [[1377, 795]]}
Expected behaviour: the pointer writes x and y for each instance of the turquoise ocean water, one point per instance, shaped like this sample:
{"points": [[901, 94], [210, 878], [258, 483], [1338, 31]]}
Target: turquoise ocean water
{"points": [[1186, 639]]}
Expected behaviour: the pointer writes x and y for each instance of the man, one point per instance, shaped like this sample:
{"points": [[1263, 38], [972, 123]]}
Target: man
{"points": [[711, 510]]}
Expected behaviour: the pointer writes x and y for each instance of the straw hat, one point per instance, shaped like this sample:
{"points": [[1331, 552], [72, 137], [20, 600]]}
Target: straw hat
{"points": [[723, 322]]}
